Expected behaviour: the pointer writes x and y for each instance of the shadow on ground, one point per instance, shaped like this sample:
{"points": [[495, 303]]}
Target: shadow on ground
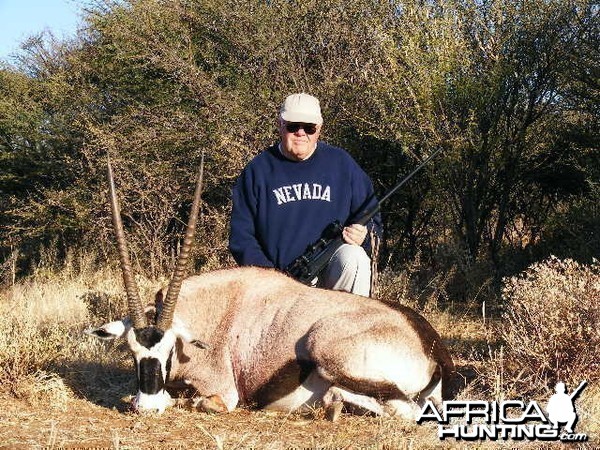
{"points": [[102, 384]]}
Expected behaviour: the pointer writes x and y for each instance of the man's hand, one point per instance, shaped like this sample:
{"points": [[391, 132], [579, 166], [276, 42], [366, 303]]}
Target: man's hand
{"points": [[354, 234]]}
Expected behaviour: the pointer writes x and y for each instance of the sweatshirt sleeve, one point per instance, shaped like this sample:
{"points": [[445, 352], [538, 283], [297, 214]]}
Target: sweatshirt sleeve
{"points": [[243, 243]]}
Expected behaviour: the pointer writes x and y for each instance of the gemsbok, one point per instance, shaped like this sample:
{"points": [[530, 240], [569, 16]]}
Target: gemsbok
{"points": [[257, 337]]}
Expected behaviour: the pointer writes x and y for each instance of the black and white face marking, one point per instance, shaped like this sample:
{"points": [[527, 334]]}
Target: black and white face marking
{"points": [[152, 352]]}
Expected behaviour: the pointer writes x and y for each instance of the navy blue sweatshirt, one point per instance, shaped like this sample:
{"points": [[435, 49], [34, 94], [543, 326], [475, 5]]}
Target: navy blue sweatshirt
{"points": [[281, 206]]}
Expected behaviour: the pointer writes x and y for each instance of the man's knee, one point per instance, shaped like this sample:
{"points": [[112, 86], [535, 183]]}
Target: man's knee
{"points": [[353, 257], [349, 270]]}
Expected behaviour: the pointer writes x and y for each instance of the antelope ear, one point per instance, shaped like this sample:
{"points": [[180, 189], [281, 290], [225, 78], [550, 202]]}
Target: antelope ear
{"points": [[111, 330]]}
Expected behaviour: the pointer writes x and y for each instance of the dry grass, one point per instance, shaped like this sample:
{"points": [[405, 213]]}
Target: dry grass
{"points": [[60, 387], [41, 331]]}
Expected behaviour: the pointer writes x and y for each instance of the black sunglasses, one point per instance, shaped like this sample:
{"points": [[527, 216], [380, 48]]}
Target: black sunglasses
{"points": [[309, 128]]}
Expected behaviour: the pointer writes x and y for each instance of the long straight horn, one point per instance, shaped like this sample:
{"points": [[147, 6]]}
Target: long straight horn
{"points": [[166, 316], [136, 311]]}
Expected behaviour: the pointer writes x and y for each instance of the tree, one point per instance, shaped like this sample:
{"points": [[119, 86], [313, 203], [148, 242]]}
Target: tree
{"points": [[152, 84]]}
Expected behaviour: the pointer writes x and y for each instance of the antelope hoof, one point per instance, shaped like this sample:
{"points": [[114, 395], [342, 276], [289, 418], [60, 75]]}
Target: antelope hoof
{"points": [[333, 411], [212, 404]]}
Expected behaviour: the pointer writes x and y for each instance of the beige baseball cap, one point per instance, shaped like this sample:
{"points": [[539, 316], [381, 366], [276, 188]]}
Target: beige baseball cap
{"points": [[301, 108]]}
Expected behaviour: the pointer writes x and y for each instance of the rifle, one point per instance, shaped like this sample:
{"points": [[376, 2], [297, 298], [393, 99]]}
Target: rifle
{"points": [[577, 391], [309, 265]]}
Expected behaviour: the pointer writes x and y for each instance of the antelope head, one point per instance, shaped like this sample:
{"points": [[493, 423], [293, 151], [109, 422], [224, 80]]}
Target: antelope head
{"points": [[151, 342]]}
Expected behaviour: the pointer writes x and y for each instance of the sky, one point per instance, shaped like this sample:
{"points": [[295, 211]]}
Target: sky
{"points": [[22, 18]]}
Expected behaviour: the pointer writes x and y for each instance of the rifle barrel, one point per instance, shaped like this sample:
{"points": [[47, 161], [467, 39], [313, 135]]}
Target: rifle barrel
{"points": [[579, 389], [410, 175], [368, 215]]}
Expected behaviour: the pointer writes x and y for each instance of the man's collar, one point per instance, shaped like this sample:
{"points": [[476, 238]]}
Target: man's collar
{"points": [[283, 154]]}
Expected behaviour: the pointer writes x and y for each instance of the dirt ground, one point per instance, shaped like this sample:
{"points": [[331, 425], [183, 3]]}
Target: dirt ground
{"points": [[79, 423], [83, 424]]}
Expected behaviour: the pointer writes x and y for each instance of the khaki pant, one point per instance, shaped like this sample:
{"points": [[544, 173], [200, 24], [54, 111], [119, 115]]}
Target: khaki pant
{"points": [[349, 270]]}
